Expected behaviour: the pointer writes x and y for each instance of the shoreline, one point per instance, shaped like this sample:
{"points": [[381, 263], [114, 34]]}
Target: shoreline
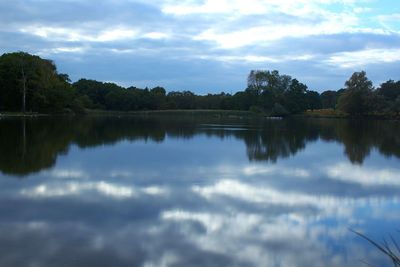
{"points": [[316, 114], [208, 112]]}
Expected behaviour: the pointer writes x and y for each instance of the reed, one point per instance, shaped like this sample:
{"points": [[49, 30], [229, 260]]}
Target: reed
{"points": [[389, 248]]}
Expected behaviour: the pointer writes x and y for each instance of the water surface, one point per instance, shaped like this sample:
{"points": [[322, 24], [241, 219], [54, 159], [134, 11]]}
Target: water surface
{"points": [[196, 191]]}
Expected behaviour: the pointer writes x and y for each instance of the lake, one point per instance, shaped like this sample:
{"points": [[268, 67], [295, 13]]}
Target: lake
{"points": [[196, 191]]}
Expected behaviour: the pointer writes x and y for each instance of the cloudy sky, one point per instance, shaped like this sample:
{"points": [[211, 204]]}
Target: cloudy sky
{"points": [[207, 45]]}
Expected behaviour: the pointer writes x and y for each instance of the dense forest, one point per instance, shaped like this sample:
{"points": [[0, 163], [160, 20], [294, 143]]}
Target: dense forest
{"points": [[29, 83]]}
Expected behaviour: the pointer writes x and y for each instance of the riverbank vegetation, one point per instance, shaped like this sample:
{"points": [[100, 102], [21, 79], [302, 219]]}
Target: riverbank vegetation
{"points": [[29, 83]]}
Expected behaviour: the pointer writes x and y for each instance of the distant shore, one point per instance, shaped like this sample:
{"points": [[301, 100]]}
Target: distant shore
{"points": [[321, 113], [172, 112], [95, 112]]}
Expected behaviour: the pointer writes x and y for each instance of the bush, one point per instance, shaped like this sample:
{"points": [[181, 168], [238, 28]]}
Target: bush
{"points": [[279, 110], [256, 109]]}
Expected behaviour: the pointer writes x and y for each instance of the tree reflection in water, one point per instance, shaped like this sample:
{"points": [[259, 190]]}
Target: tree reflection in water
{"points": [[28, 145]]}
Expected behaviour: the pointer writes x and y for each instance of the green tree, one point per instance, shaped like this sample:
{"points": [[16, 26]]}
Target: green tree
{"points": [[260, 80], [295, 98], [313, 100], [357, 90], [329, 99], [395, 106], [102, 95], [181, 100], [31, 83], [158, 98], [266, 89], [390, 90]]}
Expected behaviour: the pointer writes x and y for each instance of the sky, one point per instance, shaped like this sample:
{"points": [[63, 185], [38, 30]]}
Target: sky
{"points": [[207, 46]]}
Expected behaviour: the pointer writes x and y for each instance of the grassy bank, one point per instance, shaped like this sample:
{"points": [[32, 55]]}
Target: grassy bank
{"points": [[324, 113], [191, 112], [98, 112], [21, 114], [333, 113]]}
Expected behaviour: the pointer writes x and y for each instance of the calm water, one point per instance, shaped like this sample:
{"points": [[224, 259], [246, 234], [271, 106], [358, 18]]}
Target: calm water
{"points": [[196, 191]]}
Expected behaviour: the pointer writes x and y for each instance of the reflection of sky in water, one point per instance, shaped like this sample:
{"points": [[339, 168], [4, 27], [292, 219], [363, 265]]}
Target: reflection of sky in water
{"points": [[198, 202]]}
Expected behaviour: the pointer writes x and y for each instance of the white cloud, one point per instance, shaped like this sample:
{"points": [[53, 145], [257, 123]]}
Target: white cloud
{"points": [[156, 35], [115, 34], [59, 50], [215, 7], [363, 175], [291, 172], [391, 17], [362, 58], [229, 232], [267, 32], [271, 31], [90, 34], [229, 172], [249, 7], [268, 195], [72, 188], [156, 190], [239, 32], [307, 18], [332, 206], [81, 35], [390, 22], [108, 189], [256, 58]]}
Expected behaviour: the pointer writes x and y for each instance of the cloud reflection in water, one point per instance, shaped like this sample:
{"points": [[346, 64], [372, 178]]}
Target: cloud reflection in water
{"points": [[197, 199]]}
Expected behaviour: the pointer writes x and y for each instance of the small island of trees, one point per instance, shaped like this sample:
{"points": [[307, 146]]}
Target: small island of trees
{"points": [[29, 83]]}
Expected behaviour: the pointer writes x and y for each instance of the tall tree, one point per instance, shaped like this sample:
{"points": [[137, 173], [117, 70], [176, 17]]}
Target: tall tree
{"points": [[313, 100], [329, 99], [295, 97], [390, 90], [355, 98], [29, 82]]}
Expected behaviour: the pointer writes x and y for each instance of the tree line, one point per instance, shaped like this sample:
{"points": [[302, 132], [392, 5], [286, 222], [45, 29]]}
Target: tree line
{"points": [[30, 83]]}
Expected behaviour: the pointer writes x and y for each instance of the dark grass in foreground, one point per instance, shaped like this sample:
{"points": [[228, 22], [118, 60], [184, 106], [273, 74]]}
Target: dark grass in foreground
{"points": [[391, 249]]}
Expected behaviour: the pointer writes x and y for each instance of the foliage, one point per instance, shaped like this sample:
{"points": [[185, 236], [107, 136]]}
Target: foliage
{"points": [[313, 100], [390, 89], [46, 89], [354, 100], [273, 92], [267, 92], [329, 99], [360, 98], [279, 110]]}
